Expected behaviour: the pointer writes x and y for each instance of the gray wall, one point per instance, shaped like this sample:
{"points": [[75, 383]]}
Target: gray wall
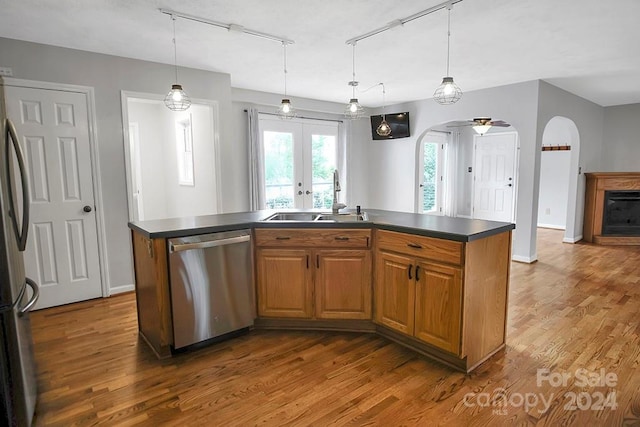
{"points": [[621, 141], [109, 75], [390, 182]]}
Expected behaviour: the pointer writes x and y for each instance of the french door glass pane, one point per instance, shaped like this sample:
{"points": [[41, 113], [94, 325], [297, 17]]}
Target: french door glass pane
{"points": [[278, 169], [323, 161], [429, 178]]}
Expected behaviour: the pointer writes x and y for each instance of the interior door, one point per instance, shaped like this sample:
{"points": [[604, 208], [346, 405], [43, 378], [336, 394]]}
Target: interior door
{"points": [[62, 250], [495, 173], [431, 176]]}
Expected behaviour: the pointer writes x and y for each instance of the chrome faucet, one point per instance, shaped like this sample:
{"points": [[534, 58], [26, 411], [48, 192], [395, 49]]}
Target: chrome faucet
{"points": [[336, 187]]}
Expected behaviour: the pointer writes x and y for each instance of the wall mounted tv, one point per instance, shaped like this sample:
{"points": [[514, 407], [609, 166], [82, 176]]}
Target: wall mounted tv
{"points": [[399, 123]]}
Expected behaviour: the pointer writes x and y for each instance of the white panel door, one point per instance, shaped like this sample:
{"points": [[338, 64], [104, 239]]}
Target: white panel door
{"points": [[62, 250], [494, 179]]}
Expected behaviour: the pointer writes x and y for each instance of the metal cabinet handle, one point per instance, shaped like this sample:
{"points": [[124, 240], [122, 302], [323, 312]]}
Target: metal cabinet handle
{"points": [[317, 261], [342, 238], [414, 245], [283, 237], [208, 243], [410, 267], [308, 192], [417, 273]]}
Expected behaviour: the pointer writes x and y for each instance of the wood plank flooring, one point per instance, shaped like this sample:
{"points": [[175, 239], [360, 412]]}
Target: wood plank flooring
{"points": [[578, 307]]}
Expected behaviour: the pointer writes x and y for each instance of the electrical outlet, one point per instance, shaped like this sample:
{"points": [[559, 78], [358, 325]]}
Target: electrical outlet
{"points": [[6, 71]]}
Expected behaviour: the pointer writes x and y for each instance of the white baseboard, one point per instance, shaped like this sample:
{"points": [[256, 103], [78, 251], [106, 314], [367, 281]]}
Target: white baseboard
{"points": [[121, 289], [572, 239], [552, 226], [527, 260]]}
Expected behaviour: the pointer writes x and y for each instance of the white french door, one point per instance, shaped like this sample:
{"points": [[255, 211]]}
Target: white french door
{"points": [[495, 172], [62, 248], [299, 159]]}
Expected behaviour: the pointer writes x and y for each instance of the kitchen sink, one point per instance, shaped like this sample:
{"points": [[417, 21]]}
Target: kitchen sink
{"points": [[293, 216], [344, 217], [319, 217]]}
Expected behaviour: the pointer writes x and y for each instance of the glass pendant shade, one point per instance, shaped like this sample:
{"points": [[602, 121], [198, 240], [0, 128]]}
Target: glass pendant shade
{"points": [[448, 92], [353, 110], [286, 110], [481, 129], [177, 99], [383, 128]]}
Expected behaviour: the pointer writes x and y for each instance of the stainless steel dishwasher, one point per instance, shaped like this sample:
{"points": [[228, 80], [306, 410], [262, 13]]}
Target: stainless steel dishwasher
{"points": [[212, 290]]}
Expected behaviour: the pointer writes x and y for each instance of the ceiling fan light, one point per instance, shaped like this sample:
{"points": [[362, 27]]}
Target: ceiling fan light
{"points": [[286, 110], [353, 110], [177, 99], [383, 128], [481, 129], [448, 92]]}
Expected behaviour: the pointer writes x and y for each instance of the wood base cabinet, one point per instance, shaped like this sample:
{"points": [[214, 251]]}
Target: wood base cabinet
{"points": [[343, 284], [285, 286], [445, 299], [333, 282], [419, 298]]}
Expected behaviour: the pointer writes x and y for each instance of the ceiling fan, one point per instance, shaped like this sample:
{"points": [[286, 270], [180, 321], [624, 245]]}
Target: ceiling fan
{"points": [[481, 124]]}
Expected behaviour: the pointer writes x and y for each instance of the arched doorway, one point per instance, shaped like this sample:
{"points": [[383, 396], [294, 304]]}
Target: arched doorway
{"points": [[559, 205]]}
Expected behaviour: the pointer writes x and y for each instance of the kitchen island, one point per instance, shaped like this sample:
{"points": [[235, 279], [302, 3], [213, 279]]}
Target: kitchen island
{"points": [[436, 284]]}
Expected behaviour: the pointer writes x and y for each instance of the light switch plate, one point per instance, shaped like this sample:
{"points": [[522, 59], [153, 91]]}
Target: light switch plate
{"points": [[6, 71]]}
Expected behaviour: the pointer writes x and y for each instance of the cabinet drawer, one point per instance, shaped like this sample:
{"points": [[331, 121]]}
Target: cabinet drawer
{"points": [[327, 238], [420, 246]]}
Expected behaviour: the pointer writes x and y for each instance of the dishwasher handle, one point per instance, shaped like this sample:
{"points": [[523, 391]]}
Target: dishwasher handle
{"points": [[208, 243]]}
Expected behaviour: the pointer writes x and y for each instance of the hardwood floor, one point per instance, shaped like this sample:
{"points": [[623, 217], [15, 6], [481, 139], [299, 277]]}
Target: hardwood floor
{"points": [[577, 308]]}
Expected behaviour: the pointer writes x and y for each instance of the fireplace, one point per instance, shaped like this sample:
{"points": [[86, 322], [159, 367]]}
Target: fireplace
{"points": [[612, 208], [621, 213]]}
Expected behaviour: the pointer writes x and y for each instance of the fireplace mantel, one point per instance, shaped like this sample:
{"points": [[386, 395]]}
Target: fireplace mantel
{"points": [[597, 184]]}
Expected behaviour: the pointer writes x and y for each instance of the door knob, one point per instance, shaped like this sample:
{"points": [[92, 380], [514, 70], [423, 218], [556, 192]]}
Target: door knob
{"points": [[309, 192], [87, 209], [300, 193]]}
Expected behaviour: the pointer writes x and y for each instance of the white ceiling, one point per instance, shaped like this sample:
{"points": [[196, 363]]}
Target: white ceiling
{"points": [[588, 47]]}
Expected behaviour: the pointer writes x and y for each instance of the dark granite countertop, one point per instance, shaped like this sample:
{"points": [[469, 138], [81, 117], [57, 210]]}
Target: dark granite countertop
{"points": [[457, 229]]}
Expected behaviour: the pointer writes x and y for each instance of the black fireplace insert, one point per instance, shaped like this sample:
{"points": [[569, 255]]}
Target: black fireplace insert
{"points": [[621, 213]]}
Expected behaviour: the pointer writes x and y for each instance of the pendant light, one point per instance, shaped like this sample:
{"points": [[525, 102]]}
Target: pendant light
{"points": [[383, 128], [176, 99], [353, 109], [448, 92], [286, 110]]}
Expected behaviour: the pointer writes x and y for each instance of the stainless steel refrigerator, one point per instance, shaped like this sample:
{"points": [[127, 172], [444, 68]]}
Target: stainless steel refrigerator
{"points": [[18, 293]]}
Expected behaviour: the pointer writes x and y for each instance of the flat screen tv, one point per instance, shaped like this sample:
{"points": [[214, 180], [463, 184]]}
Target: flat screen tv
{"points": [[399, 123]]}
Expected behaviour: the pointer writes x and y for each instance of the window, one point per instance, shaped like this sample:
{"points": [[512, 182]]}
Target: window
{"points": [[299, 159], [184, 147]]}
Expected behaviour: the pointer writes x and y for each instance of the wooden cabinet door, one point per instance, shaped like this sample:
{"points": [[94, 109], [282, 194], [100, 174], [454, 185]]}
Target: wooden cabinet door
{"points": [[395, 292], [285, 287], [343, 284], [438, 305]]}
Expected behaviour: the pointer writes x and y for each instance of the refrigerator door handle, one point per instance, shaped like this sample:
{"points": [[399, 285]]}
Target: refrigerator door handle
{"points": [[34, 297], [12, 135]]}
